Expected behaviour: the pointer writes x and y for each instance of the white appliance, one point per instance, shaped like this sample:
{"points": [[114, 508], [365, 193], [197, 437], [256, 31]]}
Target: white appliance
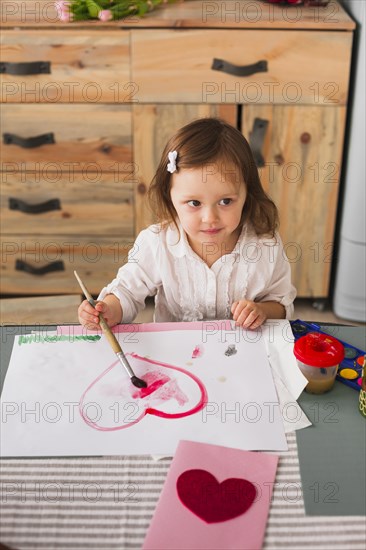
{"points": [[349, 300]]}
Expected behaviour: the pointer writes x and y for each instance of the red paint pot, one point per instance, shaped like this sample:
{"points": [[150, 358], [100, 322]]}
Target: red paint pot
{"points": [[318, 356]]}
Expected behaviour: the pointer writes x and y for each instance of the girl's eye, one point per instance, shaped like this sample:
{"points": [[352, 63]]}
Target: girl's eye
{"points": [[225, 202], [194, 203]]}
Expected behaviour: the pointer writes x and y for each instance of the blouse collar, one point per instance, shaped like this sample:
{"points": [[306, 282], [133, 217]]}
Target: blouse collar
{"points": [[177, 241]]}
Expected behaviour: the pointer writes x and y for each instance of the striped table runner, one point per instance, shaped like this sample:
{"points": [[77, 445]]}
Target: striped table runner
{"points": [[107, 503]]}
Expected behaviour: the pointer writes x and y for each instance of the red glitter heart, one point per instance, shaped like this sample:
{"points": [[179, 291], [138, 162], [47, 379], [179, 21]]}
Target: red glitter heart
{"points": [[212, 501]]}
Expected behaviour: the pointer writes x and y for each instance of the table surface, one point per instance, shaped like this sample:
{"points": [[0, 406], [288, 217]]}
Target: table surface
{"points": [[107, 502]]}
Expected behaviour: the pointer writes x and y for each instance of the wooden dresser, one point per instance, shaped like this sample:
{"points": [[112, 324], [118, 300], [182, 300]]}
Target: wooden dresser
{"points": [[87, 107]]}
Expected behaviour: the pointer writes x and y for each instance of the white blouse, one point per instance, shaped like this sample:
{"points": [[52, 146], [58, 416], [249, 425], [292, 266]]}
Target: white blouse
{"points": [[163, 265]]}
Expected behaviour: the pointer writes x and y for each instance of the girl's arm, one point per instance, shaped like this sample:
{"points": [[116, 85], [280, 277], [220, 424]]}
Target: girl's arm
{"points": [[272, 310], [121, 300], [139, 278], [251, 315], [275, 300], [278, 288]]}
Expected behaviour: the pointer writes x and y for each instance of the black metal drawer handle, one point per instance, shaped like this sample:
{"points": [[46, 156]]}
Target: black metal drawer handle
{"points": [[33, 67], [29, 143], [256, 140], [22, 206], [239, 70], [20, 265]]}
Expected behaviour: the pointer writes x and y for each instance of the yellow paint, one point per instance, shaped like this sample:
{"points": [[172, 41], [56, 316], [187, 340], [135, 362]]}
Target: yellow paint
{"points": [[348, 374]]}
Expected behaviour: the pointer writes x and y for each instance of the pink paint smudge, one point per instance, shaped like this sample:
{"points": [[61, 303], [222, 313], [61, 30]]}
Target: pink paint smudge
{"points": [[154, 381], [197, 352], [164, 388]]}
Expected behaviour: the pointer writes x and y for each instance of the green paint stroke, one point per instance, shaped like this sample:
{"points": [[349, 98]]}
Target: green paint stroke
{"points": [[38, 339]]}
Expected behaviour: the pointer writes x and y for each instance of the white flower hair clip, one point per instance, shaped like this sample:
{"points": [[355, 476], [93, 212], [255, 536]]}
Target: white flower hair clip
{"points": [[172, 165]]}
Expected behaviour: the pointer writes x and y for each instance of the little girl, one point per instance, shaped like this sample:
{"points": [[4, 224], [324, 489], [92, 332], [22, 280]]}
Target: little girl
{"points": [[215, 252]]}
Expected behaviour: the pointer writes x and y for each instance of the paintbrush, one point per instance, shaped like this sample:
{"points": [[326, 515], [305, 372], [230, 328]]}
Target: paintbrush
{"points": [[112, 339]]}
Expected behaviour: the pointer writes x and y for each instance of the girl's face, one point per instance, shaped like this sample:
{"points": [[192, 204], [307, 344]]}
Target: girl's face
{"points": [[209, 205]]}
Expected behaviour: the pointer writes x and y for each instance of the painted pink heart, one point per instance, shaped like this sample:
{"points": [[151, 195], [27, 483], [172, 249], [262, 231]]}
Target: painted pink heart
{"points": [[212, 501], [171, 392]]}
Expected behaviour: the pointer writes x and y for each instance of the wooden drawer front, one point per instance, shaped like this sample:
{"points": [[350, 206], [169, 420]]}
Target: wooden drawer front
{"points": [[83, 67], [86, 137], [89, 204], [306, 67], [302, 154], [46, 310], [96, 260], [28, 12]]}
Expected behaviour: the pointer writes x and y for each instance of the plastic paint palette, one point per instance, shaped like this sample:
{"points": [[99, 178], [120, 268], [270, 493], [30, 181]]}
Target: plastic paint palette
{"points": [[350, 369]]}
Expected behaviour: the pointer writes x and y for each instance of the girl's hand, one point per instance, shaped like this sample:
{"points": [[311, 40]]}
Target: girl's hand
{"points": [[248, 314], [89, 316]]}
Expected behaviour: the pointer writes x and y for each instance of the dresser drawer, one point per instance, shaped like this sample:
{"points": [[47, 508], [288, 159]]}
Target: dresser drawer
{"points": [[86, 204], [45, 265], [41, 310], [73, 67], [176, 65], [73, 137]]}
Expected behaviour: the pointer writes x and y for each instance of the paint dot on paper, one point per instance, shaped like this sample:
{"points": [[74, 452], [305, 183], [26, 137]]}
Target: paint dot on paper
{"points": [[222, 379], [189, 363], [231, 350], [197, 352]]}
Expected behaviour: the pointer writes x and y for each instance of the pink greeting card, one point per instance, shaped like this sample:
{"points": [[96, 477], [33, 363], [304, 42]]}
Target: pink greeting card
{"points": [[213, 497]]}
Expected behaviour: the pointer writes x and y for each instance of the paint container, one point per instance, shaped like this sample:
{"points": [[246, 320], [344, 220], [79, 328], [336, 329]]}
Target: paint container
{"points": [[318, 356]]}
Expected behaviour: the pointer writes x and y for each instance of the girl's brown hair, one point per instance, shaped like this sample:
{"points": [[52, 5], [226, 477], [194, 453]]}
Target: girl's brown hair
{"points": [[201, 143]]}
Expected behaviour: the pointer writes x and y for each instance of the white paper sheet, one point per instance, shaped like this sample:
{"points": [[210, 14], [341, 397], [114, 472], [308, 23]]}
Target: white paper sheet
{"points": [[288, 378], [53, 403], [279, 340]]}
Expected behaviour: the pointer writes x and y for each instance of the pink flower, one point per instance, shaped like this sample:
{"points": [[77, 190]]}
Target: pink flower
{"points": [[66, 16], [62, 5], [105, 15]]}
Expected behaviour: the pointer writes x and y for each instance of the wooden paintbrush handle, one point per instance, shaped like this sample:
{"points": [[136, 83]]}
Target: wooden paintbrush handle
{"points": [[109, 335], [104, 326]]}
